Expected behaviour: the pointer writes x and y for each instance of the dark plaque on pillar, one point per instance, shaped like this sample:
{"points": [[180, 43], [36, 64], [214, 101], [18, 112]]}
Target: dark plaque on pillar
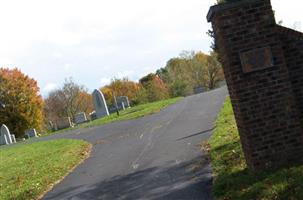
{"points": [[256, 59]]}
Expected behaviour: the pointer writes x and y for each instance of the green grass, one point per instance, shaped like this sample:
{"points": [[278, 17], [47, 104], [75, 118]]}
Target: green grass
{"points": [[130, 113], [27, 170], [232, 179]]}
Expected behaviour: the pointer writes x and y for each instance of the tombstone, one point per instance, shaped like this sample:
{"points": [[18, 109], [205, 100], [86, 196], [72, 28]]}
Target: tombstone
{"points": [[80, 118], [63, 123], [125, 101], [51, 126], [31, 133], [5, 136], [199, 89], [112, 109], [93, 115], [13, 138], [100, 104]]}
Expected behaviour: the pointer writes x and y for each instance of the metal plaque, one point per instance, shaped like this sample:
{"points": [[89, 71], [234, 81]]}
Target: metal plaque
{"points": [[256, 59]]}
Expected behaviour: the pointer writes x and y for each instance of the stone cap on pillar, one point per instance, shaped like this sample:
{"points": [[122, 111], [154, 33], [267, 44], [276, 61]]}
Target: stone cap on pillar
{"points": [[228, 5]]}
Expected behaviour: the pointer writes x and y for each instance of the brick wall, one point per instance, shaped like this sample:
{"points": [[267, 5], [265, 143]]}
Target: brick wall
{"points": [[265, 92], [293, 50]]}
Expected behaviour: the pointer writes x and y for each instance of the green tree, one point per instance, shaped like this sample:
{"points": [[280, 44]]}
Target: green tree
{"points": [[213, 71], [190, 70], [155, 88]]}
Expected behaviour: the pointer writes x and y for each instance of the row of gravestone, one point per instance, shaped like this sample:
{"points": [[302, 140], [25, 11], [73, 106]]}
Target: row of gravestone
{"points": [[100, 105], [7, 138], [66, 122], [101, 110]]}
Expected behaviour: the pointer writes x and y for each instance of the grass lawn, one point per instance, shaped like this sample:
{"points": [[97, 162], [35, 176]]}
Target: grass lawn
{"points": [[130, 113], [28, 170], [232, 179]]}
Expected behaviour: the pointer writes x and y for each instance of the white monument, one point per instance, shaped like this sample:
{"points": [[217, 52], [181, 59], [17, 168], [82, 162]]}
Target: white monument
{"points": [[5, 136], [100, 104]]}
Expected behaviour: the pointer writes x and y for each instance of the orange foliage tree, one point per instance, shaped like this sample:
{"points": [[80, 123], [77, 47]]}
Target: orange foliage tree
{"points": [[120, 87], [23, 103]]}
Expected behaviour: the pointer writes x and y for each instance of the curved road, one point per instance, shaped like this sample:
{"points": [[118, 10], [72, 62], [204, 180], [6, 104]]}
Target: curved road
{"points": [[154, 157]]}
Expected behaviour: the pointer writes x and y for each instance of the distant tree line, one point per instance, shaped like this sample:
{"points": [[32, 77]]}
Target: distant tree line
{"points": [[26, 109], [179, 77]]}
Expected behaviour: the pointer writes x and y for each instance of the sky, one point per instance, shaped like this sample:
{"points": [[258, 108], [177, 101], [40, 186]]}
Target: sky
{"points": [[94, 41]]}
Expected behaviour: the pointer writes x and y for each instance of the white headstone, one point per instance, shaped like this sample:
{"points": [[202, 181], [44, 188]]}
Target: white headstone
{"points": [[80, 118], [31, 133], [13, 138], [5, 136], [100, 104]]}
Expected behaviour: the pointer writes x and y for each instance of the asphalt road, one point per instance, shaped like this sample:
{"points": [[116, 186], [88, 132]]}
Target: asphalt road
{"points": [[154, 157]]}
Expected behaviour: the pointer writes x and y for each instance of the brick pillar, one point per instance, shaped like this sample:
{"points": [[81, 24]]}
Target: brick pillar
{"points": [[258, 82]]}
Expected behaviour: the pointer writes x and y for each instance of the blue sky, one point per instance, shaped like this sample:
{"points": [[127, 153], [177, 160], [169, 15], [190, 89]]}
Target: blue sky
{"points": [[96, 40]]}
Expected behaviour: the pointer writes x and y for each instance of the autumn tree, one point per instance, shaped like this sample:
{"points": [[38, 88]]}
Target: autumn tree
{"points": [[120, 87], [67, 101], [23, 103], [190, 70], [155, 88]]}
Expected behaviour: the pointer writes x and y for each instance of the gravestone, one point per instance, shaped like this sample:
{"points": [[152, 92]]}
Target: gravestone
{"points": [[124, 100], [51, 126], [5, 136], [31, 133], [100, 104], [63, 123], [263, 67], [13, 138], [80, 118], [198, 89], [93, 115]]}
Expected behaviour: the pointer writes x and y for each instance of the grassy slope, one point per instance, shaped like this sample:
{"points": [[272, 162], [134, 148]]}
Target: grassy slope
{"points": [[27, 170], [131, 113], [234, 181]]}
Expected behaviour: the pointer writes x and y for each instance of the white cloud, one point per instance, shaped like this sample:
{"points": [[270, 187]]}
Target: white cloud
{"points": [[67, 67], [49, 87], [104, 81], [53, 39]]}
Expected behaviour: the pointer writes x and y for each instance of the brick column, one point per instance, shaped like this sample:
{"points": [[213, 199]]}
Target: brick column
{"points": [[258, 82]]}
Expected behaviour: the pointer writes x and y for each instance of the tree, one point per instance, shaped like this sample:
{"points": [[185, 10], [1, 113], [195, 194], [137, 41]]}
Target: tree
{"points": [[71, 99], [155, 87], [23, 103], [120, 87], [191, 70], [180, 73], [213, 72], [141, 96]]}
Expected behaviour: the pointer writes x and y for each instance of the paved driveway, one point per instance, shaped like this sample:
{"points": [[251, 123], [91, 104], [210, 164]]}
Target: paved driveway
{"points": [[154, 157]]}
